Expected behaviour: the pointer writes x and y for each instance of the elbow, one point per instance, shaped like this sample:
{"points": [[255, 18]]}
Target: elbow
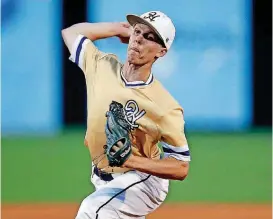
{"points": [[182, 176], [183, 171], [64, 33]]}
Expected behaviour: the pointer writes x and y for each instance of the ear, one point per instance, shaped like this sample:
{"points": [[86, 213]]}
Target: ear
{"points": [[161, 52]]}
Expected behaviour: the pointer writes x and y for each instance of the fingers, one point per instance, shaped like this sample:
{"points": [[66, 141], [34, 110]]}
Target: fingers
{"points": [[125, 24], [120, 144], [116, 147], [125, 29]]}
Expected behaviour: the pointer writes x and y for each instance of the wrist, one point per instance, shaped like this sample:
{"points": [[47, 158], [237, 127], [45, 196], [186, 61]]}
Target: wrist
{"points": [[115, 28], [129, 163]]}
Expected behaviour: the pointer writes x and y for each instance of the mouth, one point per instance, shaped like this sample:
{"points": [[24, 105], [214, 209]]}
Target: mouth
{"points": [[134, 49]]}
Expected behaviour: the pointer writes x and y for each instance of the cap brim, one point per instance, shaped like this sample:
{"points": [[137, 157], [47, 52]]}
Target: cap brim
{"points": [[135, 19]]}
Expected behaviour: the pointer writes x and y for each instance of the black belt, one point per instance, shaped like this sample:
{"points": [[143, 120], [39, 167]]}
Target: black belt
{"points": [[103, 175]]}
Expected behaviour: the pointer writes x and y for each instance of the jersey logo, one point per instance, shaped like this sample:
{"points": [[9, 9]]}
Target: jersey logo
{"points": [[152, 16], [132, 113], [125, 152]]}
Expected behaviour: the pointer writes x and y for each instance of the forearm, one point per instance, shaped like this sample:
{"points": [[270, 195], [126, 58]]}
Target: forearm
{"points": [[167, 168], [93, 31]]}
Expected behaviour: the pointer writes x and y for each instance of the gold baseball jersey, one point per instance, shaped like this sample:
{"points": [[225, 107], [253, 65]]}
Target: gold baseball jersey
{"points": [[154, 115]]}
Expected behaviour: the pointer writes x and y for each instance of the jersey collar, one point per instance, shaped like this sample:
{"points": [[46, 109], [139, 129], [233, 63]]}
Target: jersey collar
{"points": [[137, 83]]}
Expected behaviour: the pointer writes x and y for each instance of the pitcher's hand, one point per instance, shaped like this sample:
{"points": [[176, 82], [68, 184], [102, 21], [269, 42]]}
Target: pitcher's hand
{"points": [[124, 30]]}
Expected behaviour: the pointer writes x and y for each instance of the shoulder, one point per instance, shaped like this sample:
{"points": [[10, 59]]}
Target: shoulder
{"points": [[109, 62], [163, 98], [87, 46], [110, 58]]}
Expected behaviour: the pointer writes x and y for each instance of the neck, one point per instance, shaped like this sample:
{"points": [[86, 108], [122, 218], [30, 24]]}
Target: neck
{"points": [[136, 73]]}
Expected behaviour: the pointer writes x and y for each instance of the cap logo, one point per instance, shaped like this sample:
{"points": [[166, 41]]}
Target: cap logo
{"points": [[152, 15]]}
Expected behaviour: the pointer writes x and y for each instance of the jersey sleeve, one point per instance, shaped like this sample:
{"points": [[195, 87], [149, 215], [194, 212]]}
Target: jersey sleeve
{"points": [[173, 139], [85, 54]]}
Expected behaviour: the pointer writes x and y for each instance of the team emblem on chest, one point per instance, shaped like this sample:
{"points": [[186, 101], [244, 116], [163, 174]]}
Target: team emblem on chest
{"points": [[132, 113]]}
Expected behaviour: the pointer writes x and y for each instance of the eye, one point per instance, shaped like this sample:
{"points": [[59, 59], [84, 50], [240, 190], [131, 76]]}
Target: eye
{"points": [[150, 37], [136, 31]]}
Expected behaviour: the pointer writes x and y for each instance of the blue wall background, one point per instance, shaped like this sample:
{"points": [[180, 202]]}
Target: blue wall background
{"points": [[31, 66], [208, 69]]}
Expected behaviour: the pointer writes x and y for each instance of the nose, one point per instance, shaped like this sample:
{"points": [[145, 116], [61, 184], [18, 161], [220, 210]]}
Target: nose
{"points": [[139, 38]]}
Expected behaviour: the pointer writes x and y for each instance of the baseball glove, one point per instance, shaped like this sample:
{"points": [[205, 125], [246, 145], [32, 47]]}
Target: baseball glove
{"points": [[118, 145]]}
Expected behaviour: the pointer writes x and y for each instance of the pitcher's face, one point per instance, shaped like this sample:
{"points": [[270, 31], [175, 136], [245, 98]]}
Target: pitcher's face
{"points": [[144, 46]]}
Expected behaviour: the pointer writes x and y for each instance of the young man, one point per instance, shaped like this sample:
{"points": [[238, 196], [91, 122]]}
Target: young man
{"points": [[137, 183]]}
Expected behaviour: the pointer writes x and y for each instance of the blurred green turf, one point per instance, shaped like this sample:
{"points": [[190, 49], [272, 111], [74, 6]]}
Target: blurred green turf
{"points": [[225, 167]]}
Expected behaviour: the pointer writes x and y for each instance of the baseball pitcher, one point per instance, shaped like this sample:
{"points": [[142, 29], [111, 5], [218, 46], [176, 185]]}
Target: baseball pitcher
{"points": [[129, 114]]}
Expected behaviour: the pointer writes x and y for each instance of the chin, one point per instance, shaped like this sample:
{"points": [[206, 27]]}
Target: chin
{"points": [[133, 60]]}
